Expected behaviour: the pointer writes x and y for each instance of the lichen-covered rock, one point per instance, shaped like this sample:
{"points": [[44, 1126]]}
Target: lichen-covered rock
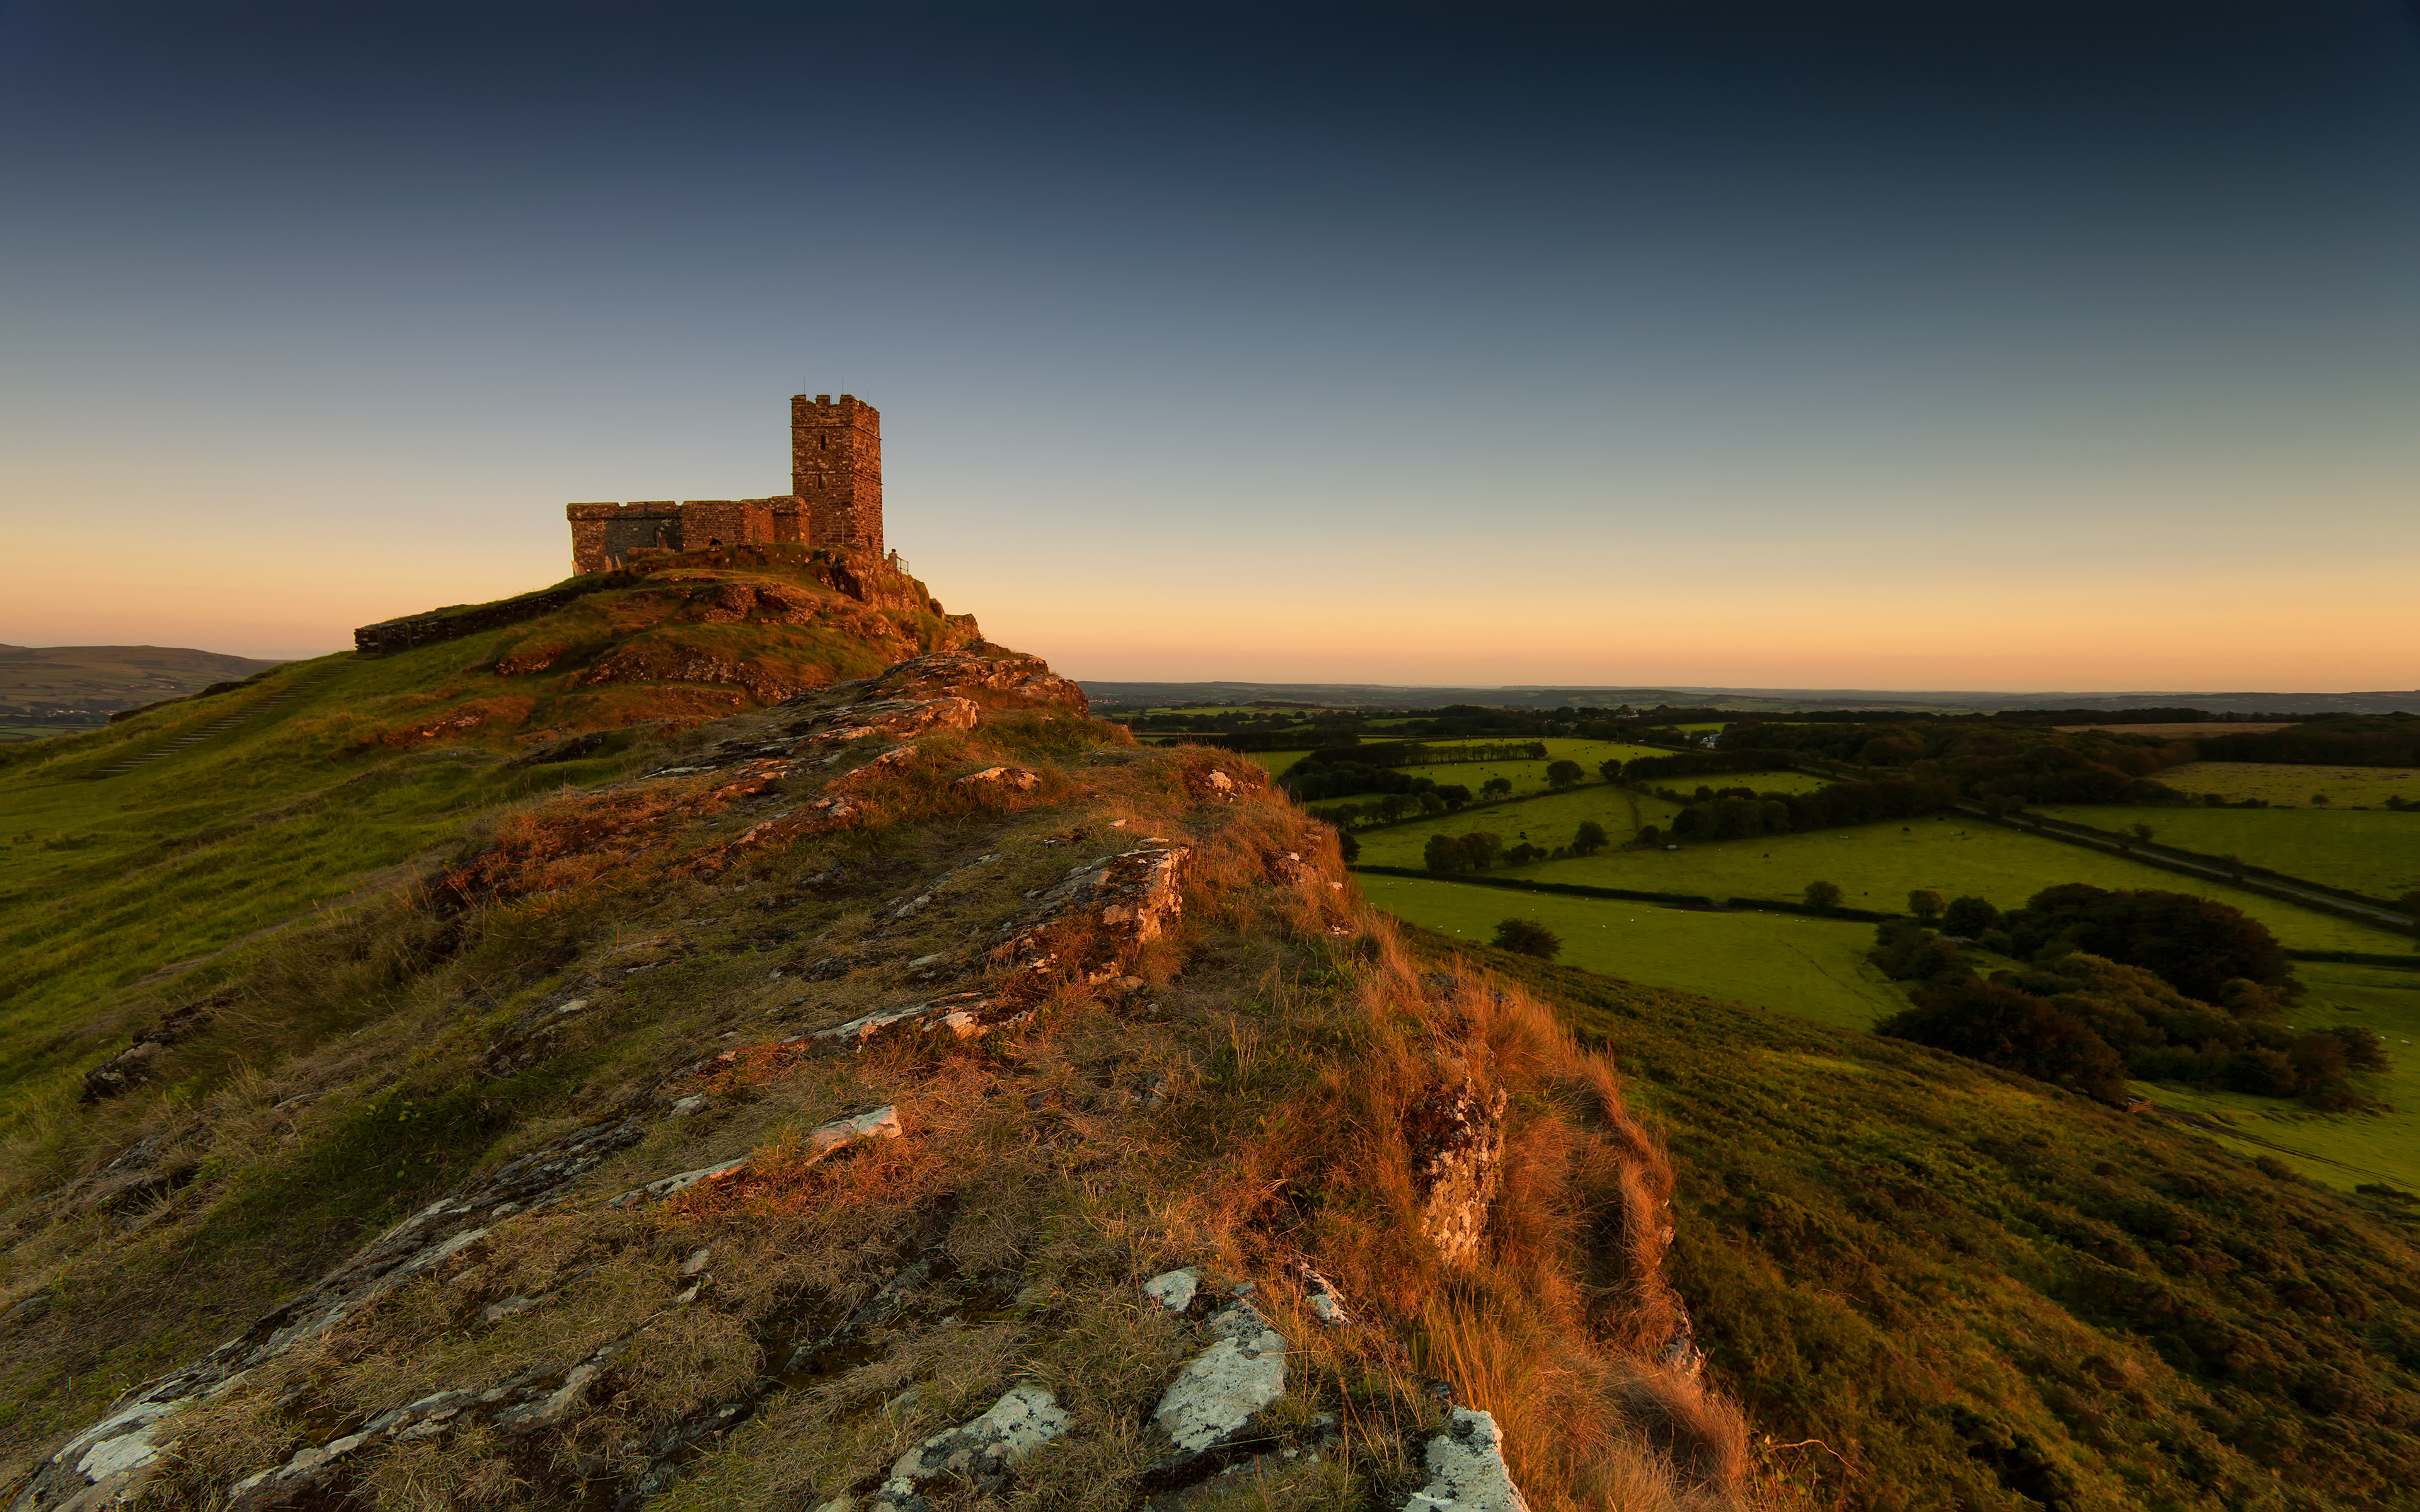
{"points": [[1173, 1290], [1219, 1392], [1466, 1470], [1457, 1139], [981, 1451]]}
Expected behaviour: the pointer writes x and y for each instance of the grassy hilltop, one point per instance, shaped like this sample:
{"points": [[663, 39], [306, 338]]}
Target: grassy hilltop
{"points": [[549, 1095], [694, 1044]]}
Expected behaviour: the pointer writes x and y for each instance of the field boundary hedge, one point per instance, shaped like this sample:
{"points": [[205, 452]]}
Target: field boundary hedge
{"points": [[2357, 958], [1579, 890]]}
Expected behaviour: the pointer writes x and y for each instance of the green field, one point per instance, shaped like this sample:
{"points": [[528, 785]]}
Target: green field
{"points": [[1877, 864], [2374, 852], [1817, 969], [2343, 1149], [1545, 819], [2283, 782], [1813, 968], [1530, 776], [1275, 761]]}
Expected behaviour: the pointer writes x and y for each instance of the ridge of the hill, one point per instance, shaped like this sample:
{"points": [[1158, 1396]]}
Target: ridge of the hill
{"points": [[907, 1094]]}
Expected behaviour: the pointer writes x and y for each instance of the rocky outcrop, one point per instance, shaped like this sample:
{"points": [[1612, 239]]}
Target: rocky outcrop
{"points": [[981, 1453], [999, 778], [896, 718], [1003, 680], [1219, 1394], [113, 1453], [1099, 915], [1467, 1468], [137, 1064], [1457, 1136]]}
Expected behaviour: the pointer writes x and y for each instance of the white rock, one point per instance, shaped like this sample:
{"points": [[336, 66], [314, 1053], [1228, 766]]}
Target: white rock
{"points": [[1022, 1421], [112, 1456], [1466, 1470], [698, 1261], [1173, 1290], [1220, 1390]]}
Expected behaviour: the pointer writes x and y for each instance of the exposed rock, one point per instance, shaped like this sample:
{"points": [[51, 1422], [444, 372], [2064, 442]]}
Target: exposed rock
{"points": [[981, 1451], [1173, 1290], [881, 1124], [997, 680], [1127, 899], [139, 1060], [1001, 778], [1327, 1304], [1466, 1470], [1221, 1392], [895, 717], [1457, 1139]]}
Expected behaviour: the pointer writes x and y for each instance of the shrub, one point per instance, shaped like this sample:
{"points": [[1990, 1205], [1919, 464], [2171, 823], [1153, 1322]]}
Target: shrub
{"points": [[1969, 918], [1823, 895], [1526, 936], [1926, 903], [1990, 1021]]}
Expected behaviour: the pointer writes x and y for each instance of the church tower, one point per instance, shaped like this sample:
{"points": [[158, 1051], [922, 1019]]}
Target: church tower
{"points": [[836, 470]]}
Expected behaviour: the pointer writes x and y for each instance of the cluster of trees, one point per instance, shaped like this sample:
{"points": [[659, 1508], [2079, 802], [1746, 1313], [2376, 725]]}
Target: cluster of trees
{"points": [[1744, 813], [1483, 850], [1349, 773], [2341, 740], [2159, 986], [1997, 764], [1403, 795]]}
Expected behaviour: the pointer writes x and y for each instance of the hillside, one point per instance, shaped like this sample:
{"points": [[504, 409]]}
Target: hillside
{"points": [[1955, 1286], [46, 690], [903, 1093], [576, 1064]]}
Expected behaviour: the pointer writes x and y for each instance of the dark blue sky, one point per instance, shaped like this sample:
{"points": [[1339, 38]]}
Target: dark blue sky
{"points": [[1980, 345]]}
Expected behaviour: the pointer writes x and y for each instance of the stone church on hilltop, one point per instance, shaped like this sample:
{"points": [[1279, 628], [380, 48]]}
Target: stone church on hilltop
{"points": [[835, 498]]}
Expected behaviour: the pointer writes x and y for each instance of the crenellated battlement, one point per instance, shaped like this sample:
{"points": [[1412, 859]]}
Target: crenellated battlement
{"points": [[835, 498]]}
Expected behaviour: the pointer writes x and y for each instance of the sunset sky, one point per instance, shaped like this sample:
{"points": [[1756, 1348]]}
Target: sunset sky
{"points": [[1967, 345]]}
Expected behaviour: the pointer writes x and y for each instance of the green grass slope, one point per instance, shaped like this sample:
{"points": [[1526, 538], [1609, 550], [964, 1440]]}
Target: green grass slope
{"points": [[121, 892], [1953, 1287]]}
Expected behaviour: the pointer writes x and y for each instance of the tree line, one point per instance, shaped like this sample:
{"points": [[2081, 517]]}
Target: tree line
{"points": [[2159, 986]]}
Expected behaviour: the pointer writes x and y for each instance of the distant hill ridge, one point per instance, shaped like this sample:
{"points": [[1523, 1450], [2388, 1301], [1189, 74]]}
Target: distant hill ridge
{"points": [[1742, 700], [48, 689]]}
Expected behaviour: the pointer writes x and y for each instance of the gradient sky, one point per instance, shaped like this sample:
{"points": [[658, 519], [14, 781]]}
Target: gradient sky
{"points": [[1957, 344]]}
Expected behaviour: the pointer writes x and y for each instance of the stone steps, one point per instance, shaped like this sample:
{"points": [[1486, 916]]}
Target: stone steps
{"points": [[212, 730]]}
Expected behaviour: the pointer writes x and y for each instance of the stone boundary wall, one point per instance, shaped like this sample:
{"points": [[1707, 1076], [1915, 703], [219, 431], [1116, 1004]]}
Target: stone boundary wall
{"points": [[452, 623]]}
